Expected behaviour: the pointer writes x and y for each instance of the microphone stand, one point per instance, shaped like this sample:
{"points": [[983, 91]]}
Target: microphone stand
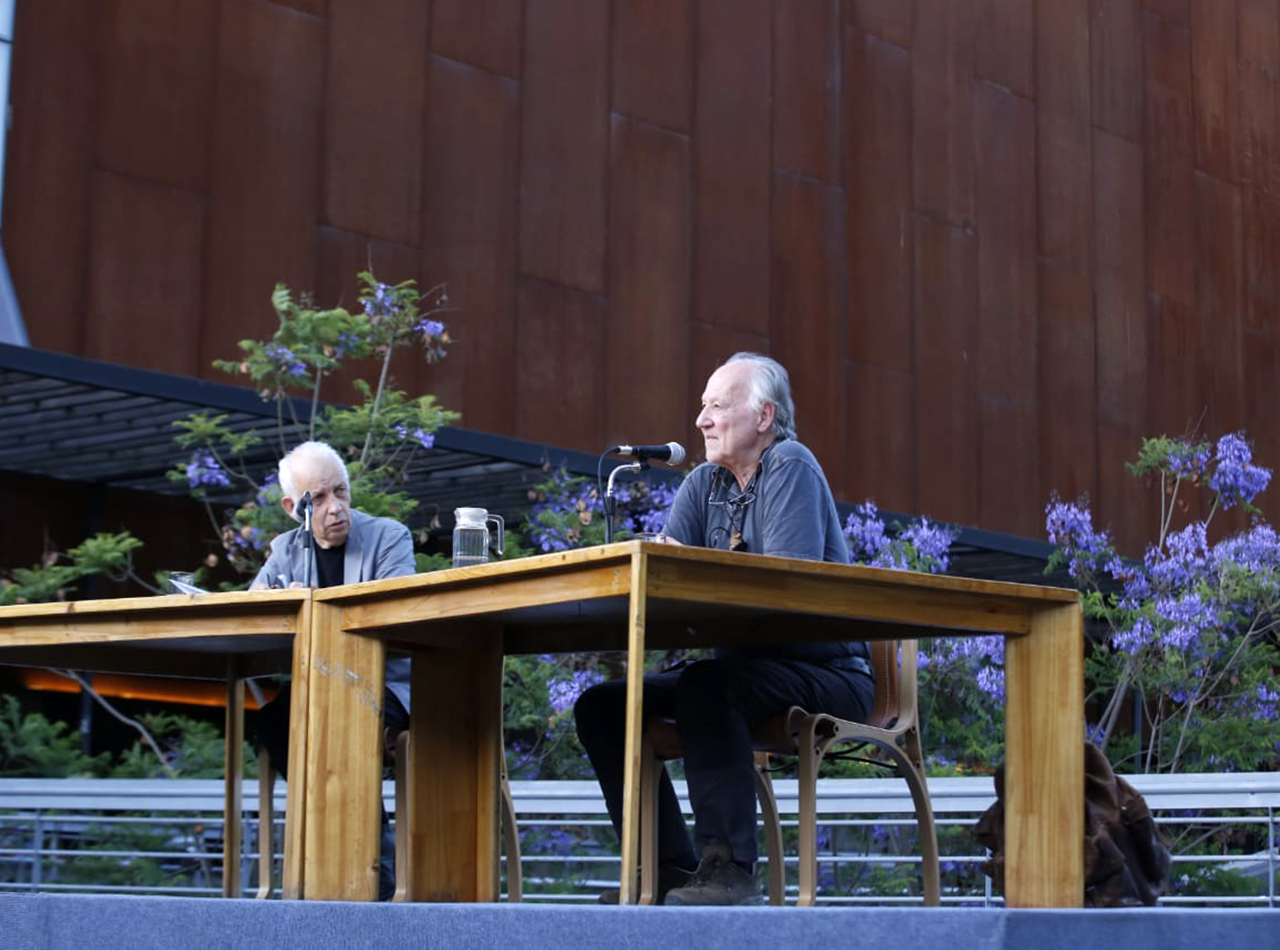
{"points": [[610, 503], [306, 539]]}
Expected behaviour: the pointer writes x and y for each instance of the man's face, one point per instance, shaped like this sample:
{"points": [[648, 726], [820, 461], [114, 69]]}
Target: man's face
{"points": [[330, 499], [735, 434]]}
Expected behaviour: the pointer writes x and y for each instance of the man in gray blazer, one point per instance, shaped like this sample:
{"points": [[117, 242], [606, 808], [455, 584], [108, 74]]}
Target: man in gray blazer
{"points": [[348, 546]]}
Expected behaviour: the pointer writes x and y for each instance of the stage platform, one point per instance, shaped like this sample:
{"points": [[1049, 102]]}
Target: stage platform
{"points": [[89, 922]]}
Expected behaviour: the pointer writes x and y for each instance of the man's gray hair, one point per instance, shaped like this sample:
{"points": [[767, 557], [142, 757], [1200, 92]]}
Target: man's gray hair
{"points": [[771, 383], [309, 452]]}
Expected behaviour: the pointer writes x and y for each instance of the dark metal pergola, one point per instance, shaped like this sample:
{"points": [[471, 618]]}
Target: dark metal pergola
{"points": [[65, 417]]}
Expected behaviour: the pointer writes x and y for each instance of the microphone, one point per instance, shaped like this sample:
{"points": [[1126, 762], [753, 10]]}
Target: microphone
{"points": [[672, 452]]}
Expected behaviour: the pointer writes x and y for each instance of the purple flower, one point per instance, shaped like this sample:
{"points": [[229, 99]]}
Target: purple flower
{"points": [[429, 328], [424, 438], [379, 304], [1070, 526], [289, 363], [1235, 478], [865, 531], [563, 693], [1187, 460], [204, 469]]}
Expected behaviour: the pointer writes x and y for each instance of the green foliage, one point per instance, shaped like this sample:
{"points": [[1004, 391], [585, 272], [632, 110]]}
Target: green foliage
{"points": [[55, 577], [32, 746], [379, 436]]}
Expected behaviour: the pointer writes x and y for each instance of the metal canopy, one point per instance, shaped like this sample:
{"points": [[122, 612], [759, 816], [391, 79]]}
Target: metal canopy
{"points": [[70, 418]]}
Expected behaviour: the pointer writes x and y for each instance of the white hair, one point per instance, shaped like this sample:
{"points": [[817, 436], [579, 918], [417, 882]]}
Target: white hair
{"points": [[308, 452], [770, 383]]}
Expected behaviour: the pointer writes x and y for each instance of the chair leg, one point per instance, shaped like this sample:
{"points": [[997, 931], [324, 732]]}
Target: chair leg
{"points": [[926, 829], [511, 841], [266, 824], [772, 831], [810, 761], [404, 775]]}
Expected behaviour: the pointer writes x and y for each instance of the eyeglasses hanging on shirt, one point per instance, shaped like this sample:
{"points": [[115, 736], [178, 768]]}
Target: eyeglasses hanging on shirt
{"points": [[735, 506]]}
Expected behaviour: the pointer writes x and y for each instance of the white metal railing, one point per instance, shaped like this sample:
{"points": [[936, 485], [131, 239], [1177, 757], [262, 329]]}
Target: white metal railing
{"points": [[82, 834]]}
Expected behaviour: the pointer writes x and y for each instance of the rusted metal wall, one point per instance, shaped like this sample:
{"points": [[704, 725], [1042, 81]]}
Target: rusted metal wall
{"points": [[996, 242]]}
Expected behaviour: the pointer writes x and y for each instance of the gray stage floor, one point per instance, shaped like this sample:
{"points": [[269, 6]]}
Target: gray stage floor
{"points": [[87, 922]]}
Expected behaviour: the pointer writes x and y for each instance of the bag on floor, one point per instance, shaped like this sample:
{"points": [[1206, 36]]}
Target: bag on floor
{"points": [[1126, 860]]}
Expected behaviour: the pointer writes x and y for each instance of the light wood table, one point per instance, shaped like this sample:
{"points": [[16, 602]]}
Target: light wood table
{"points": [[636, 596], [202, 636]]}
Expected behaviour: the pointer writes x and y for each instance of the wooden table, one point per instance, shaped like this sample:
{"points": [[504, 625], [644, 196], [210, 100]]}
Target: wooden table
{"points": [[205, 636], [636, 596]]}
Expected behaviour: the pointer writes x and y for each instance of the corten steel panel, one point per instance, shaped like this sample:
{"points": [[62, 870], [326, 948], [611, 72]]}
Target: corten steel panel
{"points": [[1005, 187], [1218, 302], [1068, 383], [265, 169], [941, 110], [808, 304], [312, 8], [890, 20], [731, 175], [879, 459], [483, 33], [469, 237], [1064, 138], [1176, 373], [1119, 282], [946, 293], [157, 90], [1126, 507], [807, 88], [1261, 299], [374, 91], [52, 99], [1262, 369], [1260, 129], [877, 119], [649, 236], [559, 375], [1168, 153], [1004, 43], [653, 65], [1259, 35], [1215, 88], [146, 261], [1115, 40], [1177, 11], [1009, 497], [878, 201], [565, 143]]}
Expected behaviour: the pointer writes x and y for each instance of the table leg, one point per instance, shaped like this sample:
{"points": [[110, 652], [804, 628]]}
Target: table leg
{"points": [[634, 728], [295, 810], [233, 770], [343, 770], [455, 768], [1044, 761]]}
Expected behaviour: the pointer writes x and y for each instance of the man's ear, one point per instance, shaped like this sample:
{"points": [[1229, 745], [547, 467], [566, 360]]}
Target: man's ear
{"points": [[287, 504], [767, 412]]}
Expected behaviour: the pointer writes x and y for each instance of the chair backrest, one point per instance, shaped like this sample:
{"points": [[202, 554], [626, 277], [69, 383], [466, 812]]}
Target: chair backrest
{"points": [[894, 662]]}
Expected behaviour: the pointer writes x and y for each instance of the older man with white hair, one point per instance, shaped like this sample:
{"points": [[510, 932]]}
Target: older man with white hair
{"points": [[760, 491], [349, 546]]}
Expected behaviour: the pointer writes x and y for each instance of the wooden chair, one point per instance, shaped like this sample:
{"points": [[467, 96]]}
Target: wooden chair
{"points": [[266, 826], [894, 728]]}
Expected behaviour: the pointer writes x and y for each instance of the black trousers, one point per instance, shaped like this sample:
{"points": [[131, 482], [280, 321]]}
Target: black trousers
{"points": [[715, 704]]}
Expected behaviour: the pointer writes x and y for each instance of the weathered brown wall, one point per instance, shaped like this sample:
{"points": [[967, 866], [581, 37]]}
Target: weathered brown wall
{"points": [[996, 242]]}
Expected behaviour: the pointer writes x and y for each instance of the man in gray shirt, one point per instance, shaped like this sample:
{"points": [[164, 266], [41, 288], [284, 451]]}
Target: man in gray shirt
{"points": [[760, 491]]}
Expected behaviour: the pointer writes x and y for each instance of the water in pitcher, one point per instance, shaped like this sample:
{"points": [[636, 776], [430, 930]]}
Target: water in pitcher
{"points": [[471, 538]]}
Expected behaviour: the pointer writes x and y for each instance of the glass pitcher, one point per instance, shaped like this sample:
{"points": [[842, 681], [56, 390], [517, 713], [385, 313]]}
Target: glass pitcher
{"points": [[471, 540]]}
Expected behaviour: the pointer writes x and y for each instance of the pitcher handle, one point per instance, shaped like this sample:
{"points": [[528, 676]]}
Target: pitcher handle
{"points": [[501, 526]]}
